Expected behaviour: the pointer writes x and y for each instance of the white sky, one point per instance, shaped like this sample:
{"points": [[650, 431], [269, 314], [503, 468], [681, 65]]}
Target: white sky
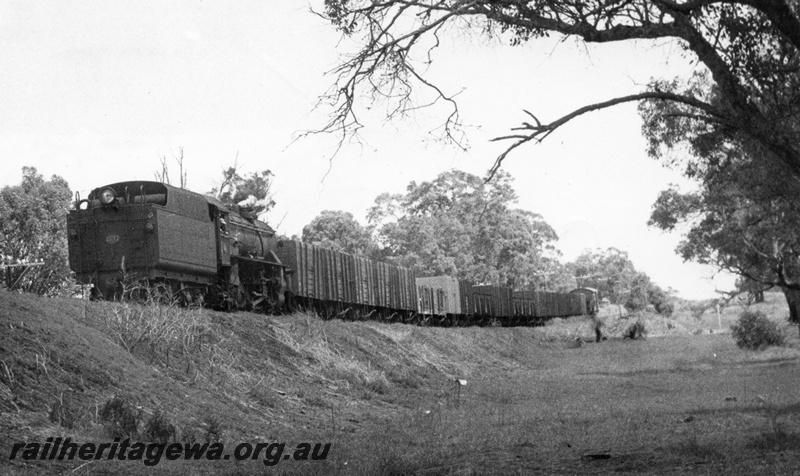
{"points": [[98, 91]]}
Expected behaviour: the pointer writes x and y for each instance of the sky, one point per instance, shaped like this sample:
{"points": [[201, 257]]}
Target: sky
{"points": [[98, 92]]}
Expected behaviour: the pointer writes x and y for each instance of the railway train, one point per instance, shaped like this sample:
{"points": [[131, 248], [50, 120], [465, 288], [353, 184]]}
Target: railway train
{"points": [[204, 251]]}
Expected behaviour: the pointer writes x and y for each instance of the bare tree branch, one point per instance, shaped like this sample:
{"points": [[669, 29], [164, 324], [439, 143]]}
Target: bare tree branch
{"points": [[163, 175], [538, 132]]}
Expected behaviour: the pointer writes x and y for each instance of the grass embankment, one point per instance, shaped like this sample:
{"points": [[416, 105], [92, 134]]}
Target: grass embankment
{"points": [[386, 396]]}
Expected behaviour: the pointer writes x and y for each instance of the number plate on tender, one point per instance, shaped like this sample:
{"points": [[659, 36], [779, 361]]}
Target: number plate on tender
{"points": [[112, 239]]}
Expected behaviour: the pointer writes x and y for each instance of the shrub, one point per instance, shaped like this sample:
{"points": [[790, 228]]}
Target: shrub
{"points": [[155, 321], [378, 385], [697, 308], [571, 343], [404, 378], [122, 419], [635, 331], [754, 331], [189, 435], [264, 396], [64, 412], [315, 399], [159, 429], [665, 308], [214, 431]]}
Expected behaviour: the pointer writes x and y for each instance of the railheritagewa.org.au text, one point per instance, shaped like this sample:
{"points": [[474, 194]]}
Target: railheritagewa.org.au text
{"points": [[153, 453]]}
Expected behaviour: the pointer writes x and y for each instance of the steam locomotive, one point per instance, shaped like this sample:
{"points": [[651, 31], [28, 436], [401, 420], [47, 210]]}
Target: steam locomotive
{"points": [[201, 250]]}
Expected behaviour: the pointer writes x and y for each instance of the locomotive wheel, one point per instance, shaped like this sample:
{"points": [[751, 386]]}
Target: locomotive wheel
{"points": [[185, 297]]}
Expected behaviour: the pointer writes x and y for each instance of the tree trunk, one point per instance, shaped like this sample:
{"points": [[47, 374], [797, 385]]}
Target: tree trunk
{"points": [[793, 300]]}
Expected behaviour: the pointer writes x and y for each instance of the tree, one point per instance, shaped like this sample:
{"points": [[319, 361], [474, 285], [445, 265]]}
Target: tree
{"points": [[251, 191], [460, 226], [614, 275], [34, 229], [751, 230], [749, 50], [247, 191], [338, 230], [552, 275], [610, 272], [743, 217], [163, 176], [754, 290]]}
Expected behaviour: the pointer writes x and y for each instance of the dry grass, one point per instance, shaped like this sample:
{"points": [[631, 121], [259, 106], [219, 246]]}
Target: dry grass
{"points": [[386, 395], [664, 403]]}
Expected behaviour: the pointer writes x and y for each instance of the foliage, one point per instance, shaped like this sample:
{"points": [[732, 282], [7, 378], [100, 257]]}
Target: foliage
{"points": [[338, 230], [251, 191], [666, 308], [754, 289], [698, 308], [636, 330], [755, 331], [461, 226], [613, 274], [33, 224], [742, 218], [609, 271]]}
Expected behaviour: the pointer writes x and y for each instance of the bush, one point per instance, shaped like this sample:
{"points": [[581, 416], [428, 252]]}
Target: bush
{"points": [[122, 418], [665, 308], [159, 429], [699, 307], [64, 412], [214, 431], [404, 378], [754, 331], [635, 331], [189, 435], [157, 321]]}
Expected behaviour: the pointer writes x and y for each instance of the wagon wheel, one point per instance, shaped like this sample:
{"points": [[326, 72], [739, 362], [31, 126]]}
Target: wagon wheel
{"points": [[95, 295], [190, 297], [161, 293]]}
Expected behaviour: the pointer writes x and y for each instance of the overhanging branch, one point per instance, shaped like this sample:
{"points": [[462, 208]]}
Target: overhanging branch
{"points": [[538, 132]]}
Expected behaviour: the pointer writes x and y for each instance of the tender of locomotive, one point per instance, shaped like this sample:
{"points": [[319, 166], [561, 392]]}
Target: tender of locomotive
{"points": [[190, 244]]}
